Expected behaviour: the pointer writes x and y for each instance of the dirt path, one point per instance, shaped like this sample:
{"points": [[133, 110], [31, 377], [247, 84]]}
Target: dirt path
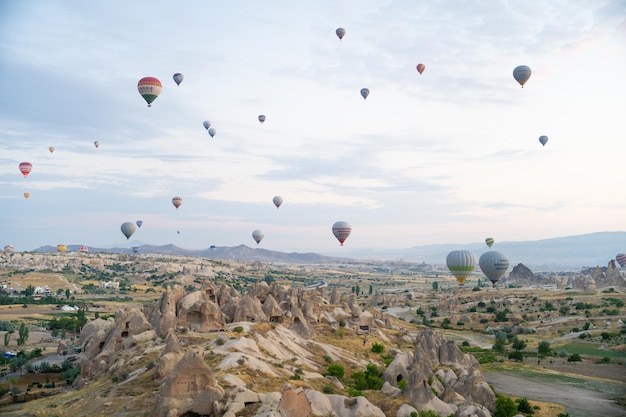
{"points": [[579, 401]]}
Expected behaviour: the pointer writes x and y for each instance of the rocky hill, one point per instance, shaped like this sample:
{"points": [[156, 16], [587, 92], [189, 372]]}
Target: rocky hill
{"points": [[267, 352]]}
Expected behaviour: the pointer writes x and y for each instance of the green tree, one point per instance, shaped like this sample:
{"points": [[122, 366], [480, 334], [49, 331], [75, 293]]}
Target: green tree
{"points": [[435, 286], [371, 290], [23, 334], [7, 337], [516, 355], [575, 357], [498, 346], [505, 407], [523, 406], [518, 344], [544, 349], [67, 293]]}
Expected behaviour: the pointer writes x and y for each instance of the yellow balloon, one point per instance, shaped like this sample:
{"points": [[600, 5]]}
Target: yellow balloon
{"points": [[26, 195]]}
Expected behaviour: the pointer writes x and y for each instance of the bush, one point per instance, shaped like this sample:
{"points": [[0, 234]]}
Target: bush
{"points": [[505, 407], [238, 329], [523, 406], [575, 357], [378, 348], [335, 370], [402, 384], [328, 389], [516, 355]]}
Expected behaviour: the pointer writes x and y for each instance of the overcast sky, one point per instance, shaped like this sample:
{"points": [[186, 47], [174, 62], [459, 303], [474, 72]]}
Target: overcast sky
{"points": [[451, 156]]}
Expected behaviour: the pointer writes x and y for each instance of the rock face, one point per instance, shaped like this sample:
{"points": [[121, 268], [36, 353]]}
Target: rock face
{"points": [[428, 389], [190, 388], [522, 275]]}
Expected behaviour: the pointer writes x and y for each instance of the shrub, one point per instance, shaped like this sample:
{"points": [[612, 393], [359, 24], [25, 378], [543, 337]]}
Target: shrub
{"points": [[378, 348], [335, 370], [575, 357], [328, 389], [238, 329], [402, 384], [505, 407], [523, 406]]}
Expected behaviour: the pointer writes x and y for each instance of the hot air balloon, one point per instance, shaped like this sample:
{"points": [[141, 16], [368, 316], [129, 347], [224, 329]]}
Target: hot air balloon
{"points": [[149, 88], [8, 249], [461, 263], [96, 144], [212, 132], [178, 78], [206, 124], [25, 168], [261, 118], [135, 249], [83, 248], [421, 68], [278, 200], [178, 232], [26, 195], [522, 74], [340, 32], [489, 241], [139, 223], [494, 265], [213, 248], [128, 228], [61, 248], [365, 92], [51, 149], [177, 201], [543, 140], [257, 235], [621, 259], [341, 230]]}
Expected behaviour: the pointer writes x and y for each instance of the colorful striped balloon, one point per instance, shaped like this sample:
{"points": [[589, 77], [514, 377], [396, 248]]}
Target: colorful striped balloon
{"points": [[621, 259], [149, 88]]}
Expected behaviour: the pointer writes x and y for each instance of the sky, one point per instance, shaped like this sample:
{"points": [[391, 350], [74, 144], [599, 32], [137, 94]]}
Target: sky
{"points": [[449, 156]]}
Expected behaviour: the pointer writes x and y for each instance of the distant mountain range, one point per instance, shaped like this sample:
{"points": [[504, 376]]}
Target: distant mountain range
{"points": [[568, 253]]}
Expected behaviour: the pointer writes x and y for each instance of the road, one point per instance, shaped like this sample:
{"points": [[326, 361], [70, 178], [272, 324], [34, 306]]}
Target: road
{"points": [[579, 401]]}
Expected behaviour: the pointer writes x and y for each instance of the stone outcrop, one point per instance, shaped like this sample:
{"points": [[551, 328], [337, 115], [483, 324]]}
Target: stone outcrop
{"points": [[431, 354], [197, 313], [190, 388]]}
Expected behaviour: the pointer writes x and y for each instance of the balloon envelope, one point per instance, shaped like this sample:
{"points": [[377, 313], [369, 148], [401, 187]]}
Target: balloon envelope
{"points": [[365, 92], [342, 230], [340, 32], [543, 140], [8, 249], [212, 132], [177, 201], [83, 248], [278, 200], [493, 264], [522, 74], [128, 229], [96, 144], [26, 195], [621, 259], [135, 249], [51, 149], [206, 124], [61, 248], [421, 68], [261, 118], [489, 241], [461, 263], [257, 235], [178, 78], [25, 168], [149, 88], [139, 223]]}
